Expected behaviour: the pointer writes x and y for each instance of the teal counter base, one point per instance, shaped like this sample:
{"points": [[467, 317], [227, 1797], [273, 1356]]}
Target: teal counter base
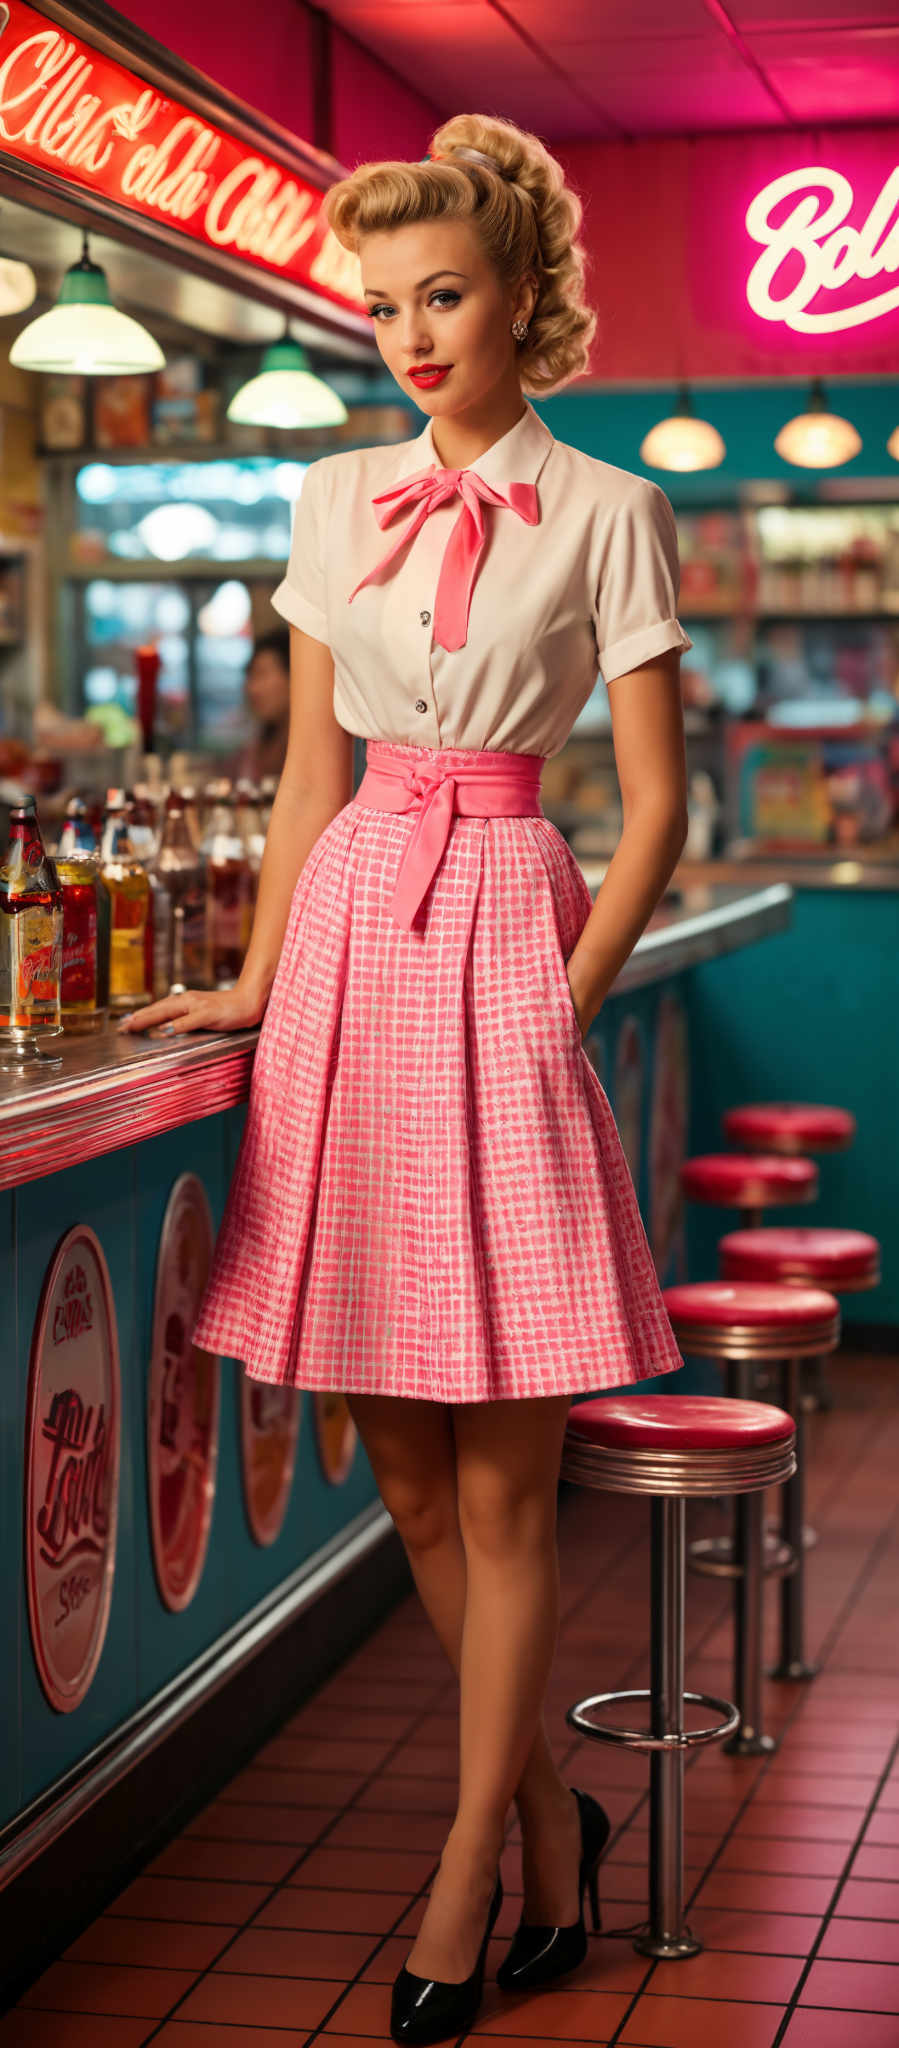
{"points": [[156, 1792]]}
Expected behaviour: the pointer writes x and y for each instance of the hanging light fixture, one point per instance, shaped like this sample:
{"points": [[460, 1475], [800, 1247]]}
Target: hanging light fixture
{"points": [[817, 438], [682, 441], [893, 444], [286, 392], [84, 333], [18, 286]]}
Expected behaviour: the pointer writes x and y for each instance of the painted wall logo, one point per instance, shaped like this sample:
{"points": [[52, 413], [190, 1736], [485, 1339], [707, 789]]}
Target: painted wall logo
{"points": [[810, 247], [72, 1468], [336, 1436], [269, 1427], [183, 1399], [69, 108]]}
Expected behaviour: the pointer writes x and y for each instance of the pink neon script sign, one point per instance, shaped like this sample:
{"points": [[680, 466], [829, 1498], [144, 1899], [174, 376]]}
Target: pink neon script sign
{"points": [[831, 253]]}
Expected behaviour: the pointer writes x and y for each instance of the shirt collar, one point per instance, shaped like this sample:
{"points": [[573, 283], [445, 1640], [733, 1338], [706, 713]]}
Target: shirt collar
{"points": [[516, 458]]}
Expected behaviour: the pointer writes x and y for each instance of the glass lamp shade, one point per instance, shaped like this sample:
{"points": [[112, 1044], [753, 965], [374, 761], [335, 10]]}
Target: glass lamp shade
{"points": [[682, 442], [18, 286], [286, 393], [817, 438], [893, 444], [84, 333]]}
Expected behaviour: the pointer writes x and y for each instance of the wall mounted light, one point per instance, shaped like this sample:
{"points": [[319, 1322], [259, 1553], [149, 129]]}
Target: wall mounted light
{"points": [[682, 441], [286, 392], [817, 438], [84, 333]]}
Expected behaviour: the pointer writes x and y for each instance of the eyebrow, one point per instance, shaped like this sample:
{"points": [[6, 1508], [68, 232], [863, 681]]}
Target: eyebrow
{"points": [[421, 282]]}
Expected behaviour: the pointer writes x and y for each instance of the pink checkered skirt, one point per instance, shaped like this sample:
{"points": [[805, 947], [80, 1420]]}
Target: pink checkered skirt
{"points": [[430, 1197]]}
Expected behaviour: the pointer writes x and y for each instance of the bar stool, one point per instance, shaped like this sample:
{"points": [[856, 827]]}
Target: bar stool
{"points": [[739, 1323], [672, 1447], [750, 1182], [789, 1127]]}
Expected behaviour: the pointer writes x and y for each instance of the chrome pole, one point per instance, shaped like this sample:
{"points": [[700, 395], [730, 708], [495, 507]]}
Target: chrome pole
{"points": [[749, 1739], [667, 1936], [791, 1663]]}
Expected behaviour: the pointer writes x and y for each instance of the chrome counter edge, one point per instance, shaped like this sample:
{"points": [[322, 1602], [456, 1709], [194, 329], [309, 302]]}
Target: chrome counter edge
{"points": [[114, 1090]]}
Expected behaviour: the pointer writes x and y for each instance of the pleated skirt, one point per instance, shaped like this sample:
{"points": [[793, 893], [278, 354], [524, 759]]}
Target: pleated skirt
{"points": [[430, 1197]]}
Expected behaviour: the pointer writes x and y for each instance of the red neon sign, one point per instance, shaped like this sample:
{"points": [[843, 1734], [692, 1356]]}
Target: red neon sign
{"points": [[69, 109]]}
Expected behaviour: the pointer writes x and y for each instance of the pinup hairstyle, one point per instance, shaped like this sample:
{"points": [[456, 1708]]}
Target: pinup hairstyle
{"points": [[526, 215]]}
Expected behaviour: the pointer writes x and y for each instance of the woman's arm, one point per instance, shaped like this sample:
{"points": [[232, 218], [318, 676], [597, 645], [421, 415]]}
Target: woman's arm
{"points": [[648, 734], [316, 782]]}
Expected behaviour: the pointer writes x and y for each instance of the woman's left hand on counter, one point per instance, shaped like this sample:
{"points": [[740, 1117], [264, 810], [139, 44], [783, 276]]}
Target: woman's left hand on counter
{"points": [[225, 1009]]}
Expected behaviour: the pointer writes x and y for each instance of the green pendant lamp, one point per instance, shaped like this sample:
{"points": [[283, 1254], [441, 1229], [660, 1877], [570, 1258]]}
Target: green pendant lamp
{"points": [[286, 392], [84, 333]]}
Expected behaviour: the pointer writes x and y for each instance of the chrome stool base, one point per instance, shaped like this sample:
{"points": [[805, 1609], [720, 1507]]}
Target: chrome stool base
{"points": [[668, 1949], [794, 1672]]}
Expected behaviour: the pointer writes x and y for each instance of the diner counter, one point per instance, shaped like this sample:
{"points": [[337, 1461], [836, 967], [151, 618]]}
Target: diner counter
{"points": [[114, 1089]]}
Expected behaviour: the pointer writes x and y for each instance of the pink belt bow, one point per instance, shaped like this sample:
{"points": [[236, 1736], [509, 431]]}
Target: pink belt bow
{"points": [[466, 544], [490, 784]]}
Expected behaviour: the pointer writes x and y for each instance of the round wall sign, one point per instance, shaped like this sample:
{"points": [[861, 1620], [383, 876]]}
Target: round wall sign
{"points": [[73, 1431], [182, 1399], [335, 1433], [269, 1427]]}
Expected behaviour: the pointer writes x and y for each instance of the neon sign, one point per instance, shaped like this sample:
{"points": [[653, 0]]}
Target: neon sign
{"points": [[830, 252], [67, 108]]}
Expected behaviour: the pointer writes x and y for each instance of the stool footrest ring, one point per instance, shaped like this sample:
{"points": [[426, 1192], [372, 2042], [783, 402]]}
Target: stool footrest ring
{"points": [[578, 1717], [714, 1557]]}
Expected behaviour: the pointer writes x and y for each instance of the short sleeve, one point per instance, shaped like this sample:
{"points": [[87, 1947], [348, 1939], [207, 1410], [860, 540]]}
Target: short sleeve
{"points": [[635, 608], [300, 597]]}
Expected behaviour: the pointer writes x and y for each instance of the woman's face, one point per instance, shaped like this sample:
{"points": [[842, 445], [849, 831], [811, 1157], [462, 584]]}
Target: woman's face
{"points": [[268, 686], [435, 298]]}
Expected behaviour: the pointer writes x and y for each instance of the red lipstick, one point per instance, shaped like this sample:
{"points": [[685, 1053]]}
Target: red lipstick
{"points": [[428, 374]]}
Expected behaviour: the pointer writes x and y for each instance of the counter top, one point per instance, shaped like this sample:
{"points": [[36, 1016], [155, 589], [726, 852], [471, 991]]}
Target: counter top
{"points": [[114, 1089], [849, 870]]}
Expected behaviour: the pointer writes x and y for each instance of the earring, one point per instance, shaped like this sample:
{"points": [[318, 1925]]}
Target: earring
{"points": [[519, 329]]}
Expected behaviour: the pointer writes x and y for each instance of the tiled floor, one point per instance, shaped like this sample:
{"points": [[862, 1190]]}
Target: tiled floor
{"points": [[284, 1910]]}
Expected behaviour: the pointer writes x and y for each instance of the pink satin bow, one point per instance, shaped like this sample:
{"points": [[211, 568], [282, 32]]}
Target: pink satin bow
{"points": [[468, 539]]}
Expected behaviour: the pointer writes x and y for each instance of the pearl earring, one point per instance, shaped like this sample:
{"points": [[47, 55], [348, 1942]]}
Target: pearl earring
{"points": [[519, 329]]}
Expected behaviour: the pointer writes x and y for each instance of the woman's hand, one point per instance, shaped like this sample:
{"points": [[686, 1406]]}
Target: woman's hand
{"points": [[582, 995], [196, 1009]]}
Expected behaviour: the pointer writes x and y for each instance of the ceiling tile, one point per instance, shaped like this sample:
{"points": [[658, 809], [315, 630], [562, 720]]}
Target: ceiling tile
{"points": [[834, 76], [582, 21], [658, 105]]}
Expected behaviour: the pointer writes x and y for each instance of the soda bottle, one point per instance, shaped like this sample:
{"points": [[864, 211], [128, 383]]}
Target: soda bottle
{"points": [[229, 889], [248, 819], [126, 878], [84, 990], [178, 869], [30, 939]]}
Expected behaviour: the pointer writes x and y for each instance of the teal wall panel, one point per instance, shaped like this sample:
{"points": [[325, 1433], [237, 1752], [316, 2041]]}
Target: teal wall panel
{"points": [[99, 1193], [810, 1013]]}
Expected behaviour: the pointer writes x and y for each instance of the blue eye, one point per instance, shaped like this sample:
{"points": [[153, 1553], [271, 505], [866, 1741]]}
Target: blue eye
{"points": [[447, 295]]}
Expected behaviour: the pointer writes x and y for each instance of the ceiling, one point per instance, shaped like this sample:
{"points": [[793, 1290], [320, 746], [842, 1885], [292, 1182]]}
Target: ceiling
{"points": [[614, 69]]}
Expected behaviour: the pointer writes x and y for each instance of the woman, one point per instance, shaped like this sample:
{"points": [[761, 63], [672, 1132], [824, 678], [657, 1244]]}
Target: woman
{"points": [[444, 1227], [267, 692]]}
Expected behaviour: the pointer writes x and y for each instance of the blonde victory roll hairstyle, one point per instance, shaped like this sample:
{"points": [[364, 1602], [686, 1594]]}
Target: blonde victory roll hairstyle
{"points": [[526, 215]]}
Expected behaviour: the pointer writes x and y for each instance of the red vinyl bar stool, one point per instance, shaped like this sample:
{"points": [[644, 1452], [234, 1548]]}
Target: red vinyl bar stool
{"points": [[751, 1182], [789, 1127], [671, 1447], [740, 1324]]}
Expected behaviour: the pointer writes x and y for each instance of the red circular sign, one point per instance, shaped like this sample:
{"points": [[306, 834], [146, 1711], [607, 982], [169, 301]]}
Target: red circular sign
{"points": [[72, 1468], [182, 1399], [269, 1427], [335, 1433]]}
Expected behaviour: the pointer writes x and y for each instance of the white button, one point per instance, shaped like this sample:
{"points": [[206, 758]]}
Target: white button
{"points": [[421, 705]]}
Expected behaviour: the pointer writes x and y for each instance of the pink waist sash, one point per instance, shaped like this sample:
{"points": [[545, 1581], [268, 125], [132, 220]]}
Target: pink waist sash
{"points": [[473, 785]]}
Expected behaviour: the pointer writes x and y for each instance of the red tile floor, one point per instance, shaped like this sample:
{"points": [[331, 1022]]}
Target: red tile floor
{"points": [[284, 1910]]}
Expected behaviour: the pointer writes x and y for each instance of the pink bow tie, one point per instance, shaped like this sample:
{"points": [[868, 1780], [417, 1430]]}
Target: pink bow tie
{"points": [[466, 544]]}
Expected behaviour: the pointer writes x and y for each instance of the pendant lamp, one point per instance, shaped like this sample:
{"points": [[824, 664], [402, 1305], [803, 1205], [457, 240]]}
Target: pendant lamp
{"points": [[286, 392], [18, 286], [84, 333], [893, 444], [817, 438], [682, 441]]}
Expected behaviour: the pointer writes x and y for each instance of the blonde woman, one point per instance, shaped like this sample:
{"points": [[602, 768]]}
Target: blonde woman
{"points": [[431, 1210]]}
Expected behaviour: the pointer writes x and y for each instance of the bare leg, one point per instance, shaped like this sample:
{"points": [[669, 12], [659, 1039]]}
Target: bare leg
{"points": [[412, 1448]]}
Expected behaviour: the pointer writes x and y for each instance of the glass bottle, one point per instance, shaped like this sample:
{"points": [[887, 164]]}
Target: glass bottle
{"points": [[178, 868], [248, 819], [229, 889], [30, 942], [268, 789], [126, 878], [84, 993]]}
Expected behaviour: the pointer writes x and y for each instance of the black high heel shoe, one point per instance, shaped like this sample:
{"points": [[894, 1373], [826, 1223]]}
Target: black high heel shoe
{"points": [[424, 2009], [538, 1954]]}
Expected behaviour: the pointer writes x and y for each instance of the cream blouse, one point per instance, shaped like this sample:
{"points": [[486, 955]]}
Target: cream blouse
{"points": [[593, 585]]}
